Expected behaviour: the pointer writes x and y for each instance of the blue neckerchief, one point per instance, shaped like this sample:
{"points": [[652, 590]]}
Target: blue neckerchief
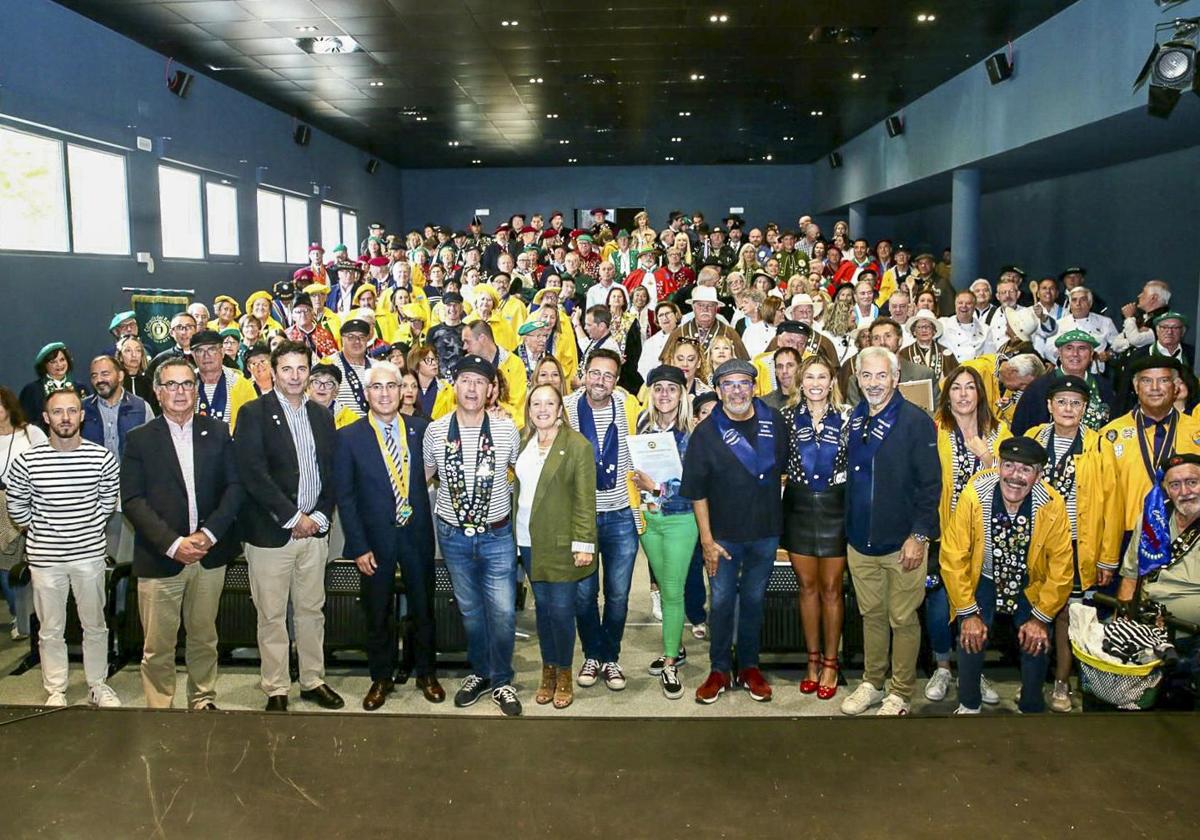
{"points": [[818, 453], [606, 455], [759, 459], [219, 402], [868, 433], [1154, 542]]}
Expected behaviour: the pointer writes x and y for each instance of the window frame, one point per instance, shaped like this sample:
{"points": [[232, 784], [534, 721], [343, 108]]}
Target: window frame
{"points": [[207, 176], [283, 195]]}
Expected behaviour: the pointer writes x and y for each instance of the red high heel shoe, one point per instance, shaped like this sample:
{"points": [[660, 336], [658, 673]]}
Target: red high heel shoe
{"points": [[823, 692], [808, 686]]}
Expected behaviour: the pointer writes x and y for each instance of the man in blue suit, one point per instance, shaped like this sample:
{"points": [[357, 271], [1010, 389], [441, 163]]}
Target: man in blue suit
{"points": [[379, 475]]}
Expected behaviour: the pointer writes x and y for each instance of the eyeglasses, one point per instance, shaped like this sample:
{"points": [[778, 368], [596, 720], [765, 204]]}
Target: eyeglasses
{"points": [[736, 385], [1063, 402], [382, 387], [429, 360], [187, 386], [601, 376], [323, 384]]}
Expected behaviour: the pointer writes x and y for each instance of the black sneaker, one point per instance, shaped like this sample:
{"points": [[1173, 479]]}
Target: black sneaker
{"points": [[506, 698], [656, 666], [672, 689], [470, 690], [588, 673]]}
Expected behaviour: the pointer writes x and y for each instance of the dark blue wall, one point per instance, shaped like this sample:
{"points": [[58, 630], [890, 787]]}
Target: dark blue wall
{"points": [[450, 196], [70, 73]]}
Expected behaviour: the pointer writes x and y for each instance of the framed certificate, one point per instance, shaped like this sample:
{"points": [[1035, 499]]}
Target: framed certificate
{"points": [[919, 392], [656, 456]]}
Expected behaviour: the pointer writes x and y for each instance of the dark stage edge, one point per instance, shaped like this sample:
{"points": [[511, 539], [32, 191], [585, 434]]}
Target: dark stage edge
{"points": [[136, 773]]}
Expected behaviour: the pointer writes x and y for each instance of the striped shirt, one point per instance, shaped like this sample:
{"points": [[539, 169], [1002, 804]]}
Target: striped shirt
{"points": [[345, 393], [507, 444], [1061, 446], [65, 498], [618, 497], [306, 456], [210, 391]]}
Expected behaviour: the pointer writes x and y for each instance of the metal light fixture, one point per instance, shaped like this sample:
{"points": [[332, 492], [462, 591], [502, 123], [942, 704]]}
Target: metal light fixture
{"points": [[1171, 66]]}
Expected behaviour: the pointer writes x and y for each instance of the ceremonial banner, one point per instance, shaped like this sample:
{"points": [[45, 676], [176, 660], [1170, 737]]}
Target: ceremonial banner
{"points": [[155, 308]]}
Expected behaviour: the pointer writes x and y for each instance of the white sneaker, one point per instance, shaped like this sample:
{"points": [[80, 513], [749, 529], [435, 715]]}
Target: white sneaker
{"points": [[938, 685], [861, 699], [55, 700], [700, 631], [987, 693], [1060, 700], [893, 706], [103, 697], [656, 605], [17, 635], [963, 710]]}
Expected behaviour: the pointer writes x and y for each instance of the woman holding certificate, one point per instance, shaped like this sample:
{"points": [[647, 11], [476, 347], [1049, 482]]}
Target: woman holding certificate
{"points": [[555, 526], [671, 534], [814, 534]]}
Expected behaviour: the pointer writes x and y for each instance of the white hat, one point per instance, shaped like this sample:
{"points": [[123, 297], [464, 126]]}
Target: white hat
{"points": [[1023, 322], [926, 315], [703, 294], [807, 300], [982, 280]]}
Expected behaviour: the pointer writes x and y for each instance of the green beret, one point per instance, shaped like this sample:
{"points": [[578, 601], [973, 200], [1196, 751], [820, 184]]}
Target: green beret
{"points": [[530, 325], [120, 318], [52, 347], [231, 331], [584, 237], [1076, 335], [1166, 316]]}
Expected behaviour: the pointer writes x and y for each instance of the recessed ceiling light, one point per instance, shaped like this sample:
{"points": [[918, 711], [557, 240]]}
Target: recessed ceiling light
{"points": [[477, 161], [816, 113], [685, 113], [564, 142], [509, 22], [376, 84], [452, 143], [858, 76], [669, 157], [676, 139], [926, 18], [697, 77], [552, 116], [788, 138], [328, 44], [769, 157], [572, 160], [718, 18], [535, 80], [306, 29]]}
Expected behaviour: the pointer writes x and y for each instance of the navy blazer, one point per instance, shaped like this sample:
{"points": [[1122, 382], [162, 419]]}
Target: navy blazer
{"points": [[154, 498], [270, 468], [364, 492]]}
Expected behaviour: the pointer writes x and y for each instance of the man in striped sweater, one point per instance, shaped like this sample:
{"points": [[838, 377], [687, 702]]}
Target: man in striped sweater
{"points": [[63, 492]]}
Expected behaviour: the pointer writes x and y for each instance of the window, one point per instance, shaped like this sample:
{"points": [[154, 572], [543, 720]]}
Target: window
{"points": [[35, 182], [180, 213], [282, 228], [339, 226], [222, 216], [99, 203]]}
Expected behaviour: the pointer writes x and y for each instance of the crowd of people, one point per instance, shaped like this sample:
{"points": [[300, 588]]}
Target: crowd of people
{"points": [[979, 448]]}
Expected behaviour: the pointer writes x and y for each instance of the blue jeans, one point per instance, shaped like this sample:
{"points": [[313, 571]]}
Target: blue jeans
{"points": [[740, 585], [695, 596], [970, 665], [483, 573], [555, 605], [617, 540], [937, 623]]}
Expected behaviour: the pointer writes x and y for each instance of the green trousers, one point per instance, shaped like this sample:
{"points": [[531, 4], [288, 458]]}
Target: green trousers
{"points": [[669, 542]]}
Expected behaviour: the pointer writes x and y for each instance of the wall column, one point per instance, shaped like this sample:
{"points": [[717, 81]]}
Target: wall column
{"points": [[858, 219], [964, 228]]}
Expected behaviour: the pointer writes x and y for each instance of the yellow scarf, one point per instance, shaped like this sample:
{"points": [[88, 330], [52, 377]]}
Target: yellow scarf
{"points": [[397, 472]]}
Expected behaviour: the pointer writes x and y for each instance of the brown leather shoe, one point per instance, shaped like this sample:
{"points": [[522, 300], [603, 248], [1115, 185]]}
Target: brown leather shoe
{"points": [[377, 694], [431, 688], [545, 692]]}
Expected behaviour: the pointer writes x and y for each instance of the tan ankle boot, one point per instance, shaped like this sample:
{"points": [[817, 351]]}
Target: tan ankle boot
{"points": [[545, 691], [564, 691]]}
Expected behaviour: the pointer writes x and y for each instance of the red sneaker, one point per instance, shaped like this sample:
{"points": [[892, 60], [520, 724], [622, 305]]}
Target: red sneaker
{"points": [[712, 687], [754, 682]]}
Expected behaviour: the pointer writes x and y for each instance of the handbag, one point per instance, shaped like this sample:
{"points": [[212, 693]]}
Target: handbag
{"points": [[8, 531]]}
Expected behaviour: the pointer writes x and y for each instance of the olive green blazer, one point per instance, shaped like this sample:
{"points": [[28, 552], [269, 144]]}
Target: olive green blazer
{"points": [[564, 508]]}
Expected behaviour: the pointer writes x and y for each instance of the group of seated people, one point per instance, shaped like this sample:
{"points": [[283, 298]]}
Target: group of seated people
{"points": [[1000, 450]]}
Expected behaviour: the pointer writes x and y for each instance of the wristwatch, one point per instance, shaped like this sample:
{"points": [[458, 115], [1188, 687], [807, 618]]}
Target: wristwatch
{"points": [[921, 538]]}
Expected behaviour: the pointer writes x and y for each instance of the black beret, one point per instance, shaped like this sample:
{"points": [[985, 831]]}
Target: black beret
{"points": [[284, 289], [1069, 384], [475, 364], [356, 325], [258, 350], [452, 297], [302, 299], [1152, 361], [1023, 450], [325, 369], [703, 399], [797, 327], [206, 337], [667, 373], [1181, 459]]}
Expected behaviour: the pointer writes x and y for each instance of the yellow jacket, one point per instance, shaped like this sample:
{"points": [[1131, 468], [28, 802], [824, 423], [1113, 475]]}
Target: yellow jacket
{"points": [[1094, 486], [946, 457], [241, 393], [513, 371], [504, 335], [1122, 459], [566, 349], [764, 366], [343, 416], [514, 312], [1051, 568]]}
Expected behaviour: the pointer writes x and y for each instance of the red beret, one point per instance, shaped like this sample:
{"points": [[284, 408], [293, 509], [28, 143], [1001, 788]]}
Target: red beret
{"points": [[503, 226], [383, 261], [302, 274], [528, 229], [599, 210], [549, 233], [316, 246], [575, 234]]}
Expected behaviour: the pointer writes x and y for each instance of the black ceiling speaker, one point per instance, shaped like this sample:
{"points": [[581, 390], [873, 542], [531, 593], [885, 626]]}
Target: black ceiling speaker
{"points": [[301, 135], [835, 160], [372, 166], [999, 68], [179, 82], [895, 126]]}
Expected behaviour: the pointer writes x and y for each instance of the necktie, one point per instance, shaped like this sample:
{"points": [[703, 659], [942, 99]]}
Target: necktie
{"points": [[394, 454]]}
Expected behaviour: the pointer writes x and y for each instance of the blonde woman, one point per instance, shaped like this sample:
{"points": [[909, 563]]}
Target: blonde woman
{"points": [[687, 354], [720, 350]]}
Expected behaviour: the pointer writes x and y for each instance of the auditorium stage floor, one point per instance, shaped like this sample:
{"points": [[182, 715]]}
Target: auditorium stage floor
{"points": [[135, 773]]}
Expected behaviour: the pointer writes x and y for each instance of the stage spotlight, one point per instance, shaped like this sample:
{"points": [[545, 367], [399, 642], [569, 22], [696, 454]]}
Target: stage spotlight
{"points": [[179, 82], [1171, 66]]}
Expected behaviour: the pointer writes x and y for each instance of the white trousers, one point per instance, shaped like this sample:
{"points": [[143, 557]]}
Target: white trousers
{"points": [[51, 583]]}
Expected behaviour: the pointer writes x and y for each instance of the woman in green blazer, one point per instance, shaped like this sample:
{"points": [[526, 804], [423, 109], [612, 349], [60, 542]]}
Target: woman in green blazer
{"points": [[555, 527]]}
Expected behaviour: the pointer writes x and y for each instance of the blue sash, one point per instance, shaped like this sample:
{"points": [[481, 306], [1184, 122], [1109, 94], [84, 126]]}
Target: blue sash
{"points": [[220, 400], [759, 459], [868, 433], [606, 455]]}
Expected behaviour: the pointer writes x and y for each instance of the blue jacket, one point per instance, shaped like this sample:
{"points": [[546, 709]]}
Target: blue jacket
{"points": [[902, 494], [131, 414], [364, 494]]}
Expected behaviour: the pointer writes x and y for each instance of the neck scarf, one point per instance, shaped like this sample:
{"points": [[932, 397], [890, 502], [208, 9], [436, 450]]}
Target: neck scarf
{"points": [[759, 458], [931, 357], [395, 459], [1154, 540], [606, 454], [1060, 474], [867, 433], [220, 399], [1010, 550], [49, 386], [964, 463], [356, 386], [1180, 546], [1095, 413], [471, 509], [817, 458]]}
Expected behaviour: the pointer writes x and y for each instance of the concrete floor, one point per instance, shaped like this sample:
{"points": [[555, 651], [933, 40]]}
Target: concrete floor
{"points": [[238, 684]]}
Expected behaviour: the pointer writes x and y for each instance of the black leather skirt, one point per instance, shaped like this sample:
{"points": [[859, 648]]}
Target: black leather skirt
{"points": [[814, 522]]}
